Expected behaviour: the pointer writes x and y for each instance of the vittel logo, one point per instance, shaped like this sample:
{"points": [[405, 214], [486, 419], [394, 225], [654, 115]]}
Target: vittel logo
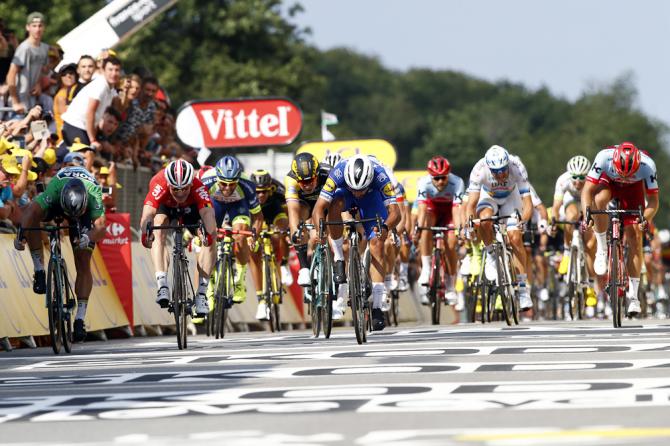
{"points": [[240, 123]]}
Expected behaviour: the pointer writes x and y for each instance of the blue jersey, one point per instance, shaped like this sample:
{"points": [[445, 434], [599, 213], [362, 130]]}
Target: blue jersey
{"points": [[380, 186], [245, 191]]}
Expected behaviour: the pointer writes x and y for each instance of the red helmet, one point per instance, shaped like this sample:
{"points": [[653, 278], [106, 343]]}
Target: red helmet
{"points": [[626, 159], [438, 165]]}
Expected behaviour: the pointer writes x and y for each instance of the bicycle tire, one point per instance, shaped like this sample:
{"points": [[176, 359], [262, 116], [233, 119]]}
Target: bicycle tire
{"points": [[622, 280], [503, 289], [613, 285], [53, 310], [275, 315], [267, 291], [366, 287], [177, 305], [395, 307], [219, 299], [327, 282], [433, 288], [356, 295], [66, 315], [228, 291]]}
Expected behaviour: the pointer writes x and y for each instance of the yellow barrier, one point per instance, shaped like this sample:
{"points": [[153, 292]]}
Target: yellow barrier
{"points": [[23, 313], [145, 310]]}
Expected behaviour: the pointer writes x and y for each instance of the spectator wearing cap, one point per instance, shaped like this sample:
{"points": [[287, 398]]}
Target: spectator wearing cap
{"points": [[17, 175], [106, 176], [67, 78], [104, 54], [85, 70], [87, 108], [23, 77]]}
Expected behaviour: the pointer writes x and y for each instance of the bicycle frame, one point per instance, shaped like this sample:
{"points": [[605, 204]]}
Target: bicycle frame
{"points": [[272, 288], [578, 275], [439, 269]]}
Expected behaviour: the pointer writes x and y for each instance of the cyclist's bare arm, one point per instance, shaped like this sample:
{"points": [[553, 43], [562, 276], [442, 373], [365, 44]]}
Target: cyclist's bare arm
{"points": [[473, 199], [393, 215], [208, 219], [527, 212], [97, 232], [148, 214], [293, 210], [652, 206]]}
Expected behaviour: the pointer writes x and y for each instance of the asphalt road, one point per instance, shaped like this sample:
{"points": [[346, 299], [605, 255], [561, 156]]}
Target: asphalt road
{"points": [[539, 384]]}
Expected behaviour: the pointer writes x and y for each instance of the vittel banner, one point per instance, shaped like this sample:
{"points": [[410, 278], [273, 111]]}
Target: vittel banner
{"points": [[239, 123]]}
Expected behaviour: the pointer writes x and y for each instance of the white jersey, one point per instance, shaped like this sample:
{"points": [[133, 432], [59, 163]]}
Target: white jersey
{"points": [[482, 179]]}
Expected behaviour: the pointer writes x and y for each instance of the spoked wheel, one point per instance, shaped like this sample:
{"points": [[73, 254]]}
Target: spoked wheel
{"points": [[328, 315], [66, 313], [507, 299], [395, 307], [53, 308], [316, 311], [356, 299], [179, 305], [614, 288], [435, 304]]}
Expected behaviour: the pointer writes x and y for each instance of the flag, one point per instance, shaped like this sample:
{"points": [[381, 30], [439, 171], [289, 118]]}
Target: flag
{"points": [[326, 135], [328, 118]]}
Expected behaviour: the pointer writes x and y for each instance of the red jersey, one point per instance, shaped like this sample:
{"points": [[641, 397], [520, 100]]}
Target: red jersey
{"points": [[159, 193]]}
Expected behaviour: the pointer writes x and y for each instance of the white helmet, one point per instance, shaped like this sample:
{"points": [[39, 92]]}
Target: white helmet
{"points": [[332, 158], [664, 236], [359, 172], [179, 174], [578, 165], [496, 158]]}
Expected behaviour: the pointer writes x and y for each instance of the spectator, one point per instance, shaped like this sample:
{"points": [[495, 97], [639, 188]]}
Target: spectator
{"points": [[104, 54], [106, 176], [26, 67], [76, 159], [8, 45], [105, 131], [67, 78], [87, 108], [140, 119], [130, 90], [85, 70]]}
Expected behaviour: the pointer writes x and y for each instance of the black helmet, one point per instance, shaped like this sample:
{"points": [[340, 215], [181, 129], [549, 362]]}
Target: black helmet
{"points": [[262, 178], [304, 166], [74, 198]]}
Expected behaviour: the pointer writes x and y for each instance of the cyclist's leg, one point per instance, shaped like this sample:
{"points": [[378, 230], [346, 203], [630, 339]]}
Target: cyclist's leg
{"points": [[241, 221], [206, 259], [511, 205], [84, 280], [487, 207], [159, 256], [632, 197], [340, 202], [600, 202], [32, 217]]}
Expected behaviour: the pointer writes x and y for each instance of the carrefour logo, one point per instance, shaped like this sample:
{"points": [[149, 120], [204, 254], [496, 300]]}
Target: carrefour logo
{"points": [[115, 229]]}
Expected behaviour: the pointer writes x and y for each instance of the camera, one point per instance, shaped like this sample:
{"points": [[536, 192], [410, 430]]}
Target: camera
{"points": [[47, 116]]}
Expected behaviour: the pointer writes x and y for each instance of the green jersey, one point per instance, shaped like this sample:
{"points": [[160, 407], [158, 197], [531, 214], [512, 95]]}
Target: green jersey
{"points": [[50, 198]]}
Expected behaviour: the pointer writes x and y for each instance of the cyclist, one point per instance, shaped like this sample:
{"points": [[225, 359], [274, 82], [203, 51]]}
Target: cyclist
{"points": [[75, 195], [536, 244], [332, 158], [437, 194], [567, 206], [270, 194], [234, 198], [303, 186], [173, 191], [361, 183], [499, 185], [622, 172]]}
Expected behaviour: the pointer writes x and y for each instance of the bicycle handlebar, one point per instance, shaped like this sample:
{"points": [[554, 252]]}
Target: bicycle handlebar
{"points": [[436, 228]]}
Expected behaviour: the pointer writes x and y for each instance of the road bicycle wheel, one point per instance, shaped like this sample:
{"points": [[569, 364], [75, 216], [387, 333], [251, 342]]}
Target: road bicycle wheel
{"points": [[356, 295], [433, 288], [66, 312], [54, 309], [277, 291], [395, 307], [613, 285], [178, 304], [267, 291], [327, 291], [227, 293], [366, 286], [503, 288]]}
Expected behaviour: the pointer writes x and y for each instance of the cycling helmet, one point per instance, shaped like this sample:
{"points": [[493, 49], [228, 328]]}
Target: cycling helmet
{"points": [[262, 178], [332, 158], [228, 168], [179, 174], [438, 166], [74, 198], [626, 159], [359, 172], [497, 158], [304, 166], [578, 165]]}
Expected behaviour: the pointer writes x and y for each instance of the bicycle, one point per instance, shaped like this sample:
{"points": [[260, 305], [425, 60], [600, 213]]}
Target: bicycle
{"points": [[273, 292], [360, 284], [224, 282], [183, 294], [617, 275], [578, 274], [60, 300], [505, 282], [323, 287], [439, 270]]}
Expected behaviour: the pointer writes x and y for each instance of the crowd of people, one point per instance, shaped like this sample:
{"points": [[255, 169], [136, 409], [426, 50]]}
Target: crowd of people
{"points": [[51, 112]]}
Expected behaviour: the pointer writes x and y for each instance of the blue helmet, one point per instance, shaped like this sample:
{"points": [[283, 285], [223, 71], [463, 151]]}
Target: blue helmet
{"points": [[228, 169]]}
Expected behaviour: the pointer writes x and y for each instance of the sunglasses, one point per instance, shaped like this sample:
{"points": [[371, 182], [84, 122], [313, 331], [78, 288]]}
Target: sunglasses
{"points": [[440, 178], [579, 177], [262, 191], [227, 183], [498, 171], [306, 182]]}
